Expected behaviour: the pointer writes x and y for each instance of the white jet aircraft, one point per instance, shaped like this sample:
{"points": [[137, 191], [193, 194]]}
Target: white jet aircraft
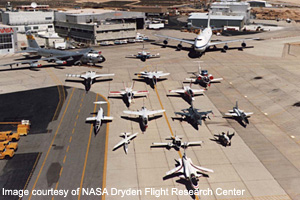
{"points": [[240, 114], [125, 141], [176, 143], [188, 92], [143, 55], [129, 93], [187, 170], [143, 114], [203, 40], [89, 78], [154, 75], [99, 118]]}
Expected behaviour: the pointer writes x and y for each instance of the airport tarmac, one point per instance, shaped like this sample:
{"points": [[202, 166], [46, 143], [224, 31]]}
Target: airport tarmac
{"points": [[263, 161]]}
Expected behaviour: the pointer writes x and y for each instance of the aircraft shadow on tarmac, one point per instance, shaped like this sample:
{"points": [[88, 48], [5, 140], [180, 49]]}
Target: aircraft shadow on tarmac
{"points": [[193, 54], [148, 81], [236, 119], [125, 99], [138, 120]]}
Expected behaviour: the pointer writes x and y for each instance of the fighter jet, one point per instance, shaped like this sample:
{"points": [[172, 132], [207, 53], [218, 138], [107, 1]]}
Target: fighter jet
{"points": [[128, 93], [203, 78], [194, 115], [127, 137], [188, 92], [89, 78], [176, 143], [189, 171], [85, 56], [154, 75], [224, 139], [239, 114], [143, 55], [99, 118], [143, 114]]}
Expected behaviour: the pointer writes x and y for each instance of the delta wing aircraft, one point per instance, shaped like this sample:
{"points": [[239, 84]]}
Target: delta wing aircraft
{"points": [[89, 78], [154, 75], [224, 139], [194, 115], [127, 137], [189, 171], [239, 114], [128, 93], [203, 78], [143, 114], [143, 55], [188, 92], [203, 40], [98, 120], [176, 143], [85, 56]]}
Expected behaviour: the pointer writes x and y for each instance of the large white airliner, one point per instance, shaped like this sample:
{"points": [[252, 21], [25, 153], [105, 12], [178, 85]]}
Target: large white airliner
{"points": [[203, 40]]}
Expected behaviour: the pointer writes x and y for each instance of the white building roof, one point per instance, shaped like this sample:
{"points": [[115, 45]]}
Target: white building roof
{"points": [[214, 17]]}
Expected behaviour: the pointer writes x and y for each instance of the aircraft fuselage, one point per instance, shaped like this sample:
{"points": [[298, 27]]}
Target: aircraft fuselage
{"points": [[202, 40]]}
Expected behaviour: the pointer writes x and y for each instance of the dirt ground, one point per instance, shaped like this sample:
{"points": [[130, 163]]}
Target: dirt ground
{"points": [[277, 13]]}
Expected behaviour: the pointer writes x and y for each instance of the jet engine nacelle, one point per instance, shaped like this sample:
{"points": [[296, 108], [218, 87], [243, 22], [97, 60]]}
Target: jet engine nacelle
{"points": [[35, 65], [165, 42], [179, 46], [225, 47], [61, 62], [244, 44], [143, 58]]}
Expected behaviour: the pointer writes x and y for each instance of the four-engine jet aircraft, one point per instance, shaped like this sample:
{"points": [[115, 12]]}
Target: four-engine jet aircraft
{"points": [[89, 78], [194, 115], [154, 75], [128, 93], [203, 78], [85, 56], [224, 139], [188, 92], [127, 137], [203, 40], [188, 171], [99, 118], [143, 115], [143, 55], [239, 114], [176, 143]]}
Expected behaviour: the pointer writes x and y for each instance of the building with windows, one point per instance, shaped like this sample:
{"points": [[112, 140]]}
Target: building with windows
{"points": [[97, 25], [29, 20], [8, 39]]}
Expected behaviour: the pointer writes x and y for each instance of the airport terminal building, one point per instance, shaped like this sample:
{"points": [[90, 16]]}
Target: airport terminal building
{"points": [[8, 39], [95, 26]]}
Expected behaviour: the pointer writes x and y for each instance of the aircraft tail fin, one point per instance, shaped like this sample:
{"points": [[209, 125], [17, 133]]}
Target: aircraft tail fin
{"points": [[208, 19], [31, 40], [236, 104]]}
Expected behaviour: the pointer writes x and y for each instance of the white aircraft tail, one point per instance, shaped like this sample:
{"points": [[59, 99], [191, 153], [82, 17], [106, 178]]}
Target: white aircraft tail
{"points": [[125, 134], [236, 104], [100, 102], [208, 19]]}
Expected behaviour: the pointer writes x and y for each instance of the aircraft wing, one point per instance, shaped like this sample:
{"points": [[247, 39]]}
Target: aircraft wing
{"points": [[182, 114], [106, 118], [216, 80], [101, 75], [248, 113], [120, 143], [160, 144], [117, 92], [197, 91], [154, 56], [176, 169], [201, 169], [131, 56], [153, 112], [230, 41], [231, 114], [140, 93], [158, 75], [193, 143], [74, 75], [190, 79], [132, 136], [181, 91], [173, 38], [132, 112], [91, 119]]}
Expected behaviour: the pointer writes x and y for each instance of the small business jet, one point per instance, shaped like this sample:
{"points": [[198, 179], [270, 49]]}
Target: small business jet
{"points": [[127, 137], [239, 114], [176, 143]]}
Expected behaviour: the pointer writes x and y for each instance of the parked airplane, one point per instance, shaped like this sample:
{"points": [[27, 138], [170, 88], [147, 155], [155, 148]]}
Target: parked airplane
{"points": [[188, 92], [224, 139], [203, 78], [89, 78], [189, 171], [154, 75], [143, 114], [99, 118], [203, 40], [127, 137], [194, 115], [239, 114], [85, 56], [143, 55], [176, 143], [128, 93]]}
